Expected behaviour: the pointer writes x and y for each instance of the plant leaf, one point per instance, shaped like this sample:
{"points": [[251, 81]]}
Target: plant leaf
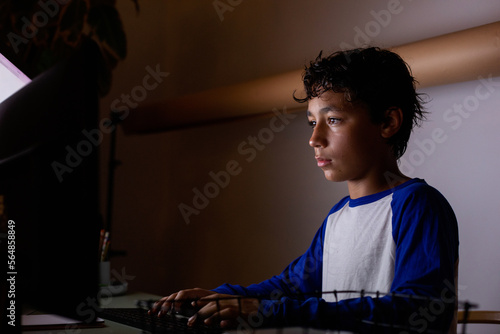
{"points": [[107, 25], [72, 17]]}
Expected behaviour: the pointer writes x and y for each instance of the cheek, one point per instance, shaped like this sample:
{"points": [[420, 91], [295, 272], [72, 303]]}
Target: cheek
{"points": [[344, 146], [356, 148], [366, 137]]}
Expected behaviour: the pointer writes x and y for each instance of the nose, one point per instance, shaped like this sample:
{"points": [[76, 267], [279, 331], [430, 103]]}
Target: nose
{"points": [[318, 138]]}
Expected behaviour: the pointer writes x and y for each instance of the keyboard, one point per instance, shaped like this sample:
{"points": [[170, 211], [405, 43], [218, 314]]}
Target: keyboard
{"points": [[139, 318]]}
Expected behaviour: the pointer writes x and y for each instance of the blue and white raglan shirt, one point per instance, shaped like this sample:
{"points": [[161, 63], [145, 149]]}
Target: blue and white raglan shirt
{"points": [[396, 243]]}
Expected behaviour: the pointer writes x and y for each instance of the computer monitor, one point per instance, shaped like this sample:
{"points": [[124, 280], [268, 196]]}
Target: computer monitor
{"points": [[11, 78], [52, 216]]}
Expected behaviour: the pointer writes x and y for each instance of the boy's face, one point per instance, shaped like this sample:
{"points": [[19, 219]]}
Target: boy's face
{"points": [[347, 144]]}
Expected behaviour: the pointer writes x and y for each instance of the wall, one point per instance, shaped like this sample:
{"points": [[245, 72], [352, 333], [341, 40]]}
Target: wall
{"points": [[270, 209], [457, 152]]}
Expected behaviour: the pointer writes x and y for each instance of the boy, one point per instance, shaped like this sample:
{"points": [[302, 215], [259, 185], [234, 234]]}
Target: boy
{"points": [[391, 234]]}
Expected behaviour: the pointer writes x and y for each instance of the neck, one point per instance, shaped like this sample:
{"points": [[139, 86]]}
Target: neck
{"points": [[378, 180]]}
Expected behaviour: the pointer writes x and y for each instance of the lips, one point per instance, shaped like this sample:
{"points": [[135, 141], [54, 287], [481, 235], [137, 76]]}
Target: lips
{"points": [[322, 162]]}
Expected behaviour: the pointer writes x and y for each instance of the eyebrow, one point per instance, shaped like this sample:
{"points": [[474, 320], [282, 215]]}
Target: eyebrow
{"points": [[325, 110]]}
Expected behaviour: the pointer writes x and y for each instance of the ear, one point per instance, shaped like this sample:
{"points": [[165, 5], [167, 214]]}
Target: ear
{"points": [[393, 119]]}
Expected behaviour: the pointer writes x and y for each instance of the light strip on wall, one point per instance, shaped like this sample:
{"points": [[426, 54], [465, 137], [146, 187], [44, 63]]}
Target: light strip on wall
{"points": [[455, 57]]}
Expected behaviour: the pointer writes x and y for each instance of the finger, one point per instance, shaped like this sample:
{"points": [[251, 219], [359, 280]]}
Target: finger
{"points": [[191, 321], [225, 318], [206, 309], [218, 307], [157, 305], [164, 305], [193, 297], [180, 299], [185, 299], [203, 312], [203, 301], [227, 324]]}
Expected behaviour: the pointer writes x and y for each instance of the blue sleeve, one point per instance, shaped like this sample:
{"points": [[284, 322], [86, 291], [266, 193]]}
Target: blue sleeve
{"points": [[425, 231], [426, 236]]}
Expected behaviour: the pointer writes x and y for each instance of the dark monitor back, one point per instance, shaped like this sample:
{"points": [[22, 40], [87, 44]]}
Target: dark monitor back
{"points": [[49, 186]]}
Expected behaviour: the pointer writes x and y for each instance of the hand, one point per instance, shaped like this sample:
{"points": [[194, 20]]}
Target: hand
{"points": [[214, 308], [224, 310], [178, 300]]}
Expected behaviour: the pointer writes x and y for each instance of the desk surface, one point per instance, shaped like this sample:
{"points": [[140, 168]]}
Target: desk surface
{"points": [[129, 299]]}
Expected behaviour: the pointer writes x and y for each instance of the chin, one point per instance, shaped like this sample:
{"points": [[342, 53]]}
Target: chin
{"points": [[333, 177]]}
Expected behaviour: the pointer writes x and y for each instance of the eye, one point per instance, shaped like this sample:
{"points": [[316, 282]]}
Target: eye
{"points": [[312, 124], [333, 120]]}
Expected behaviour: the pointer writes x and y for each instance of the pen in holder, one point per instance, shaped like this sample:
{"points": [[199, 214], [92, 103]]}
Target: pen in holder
{"points": [[108, 286]]}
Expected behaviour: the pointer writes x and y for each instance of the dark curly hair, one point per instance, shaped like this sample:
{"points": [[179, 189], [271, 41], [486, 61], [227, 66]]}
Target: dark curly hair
{"points": [[379, 78]]}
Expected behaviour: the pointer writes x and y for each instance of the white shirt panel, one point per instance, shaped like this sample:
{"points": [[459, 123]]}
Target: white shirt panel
{"points": [[359, 250]]}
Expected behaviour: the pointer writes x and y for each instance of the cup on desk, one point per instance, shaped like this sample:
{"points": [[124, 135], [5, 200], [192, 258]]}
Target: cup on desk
{"points": [[104, 273]]}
